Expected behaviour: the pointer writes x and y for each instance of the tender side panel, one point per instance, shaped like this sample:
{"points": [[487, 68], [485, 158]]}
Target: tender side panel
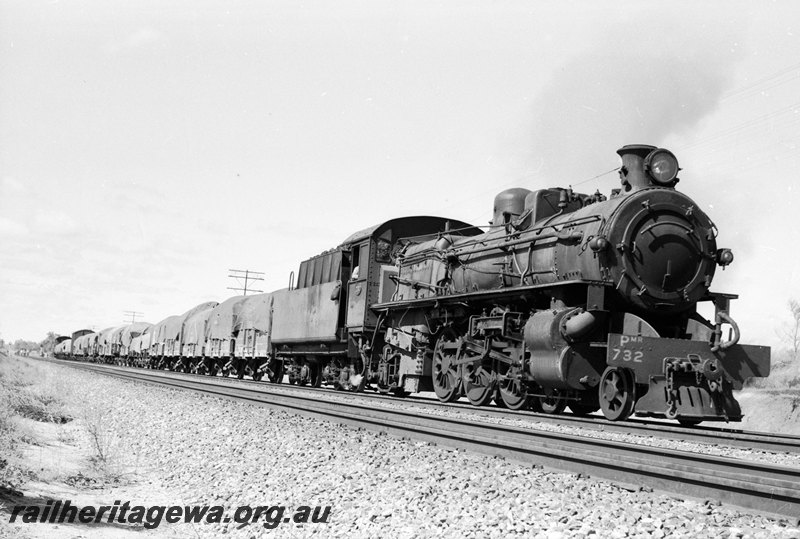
{"points": [[306, 314]]}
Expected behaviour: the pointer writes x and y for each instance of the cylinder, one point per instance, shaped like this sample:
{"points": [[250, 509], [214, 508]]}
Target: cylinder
{"points": [[546, 345]]}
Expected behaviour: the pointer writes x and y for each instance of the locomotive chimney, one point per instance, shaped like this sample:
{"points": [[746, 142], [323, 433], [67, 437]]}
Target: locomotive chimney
{"points": [[632, 173]]}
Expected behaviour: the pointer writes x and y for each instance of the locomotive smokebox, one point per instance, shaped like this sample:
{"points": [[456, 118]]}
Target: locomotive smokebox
{"points": [[632, 173]]}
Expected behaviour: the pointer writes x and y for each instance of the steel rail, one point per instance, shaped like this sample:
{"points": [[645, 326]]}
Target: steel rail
{"points": [[727, 436], [757, 486]]}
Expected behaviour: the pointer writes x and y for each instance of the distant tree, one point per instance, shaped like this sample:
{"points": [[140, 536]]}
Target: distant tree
{"points": [[48, 344], [21, 345], [791, 334]]}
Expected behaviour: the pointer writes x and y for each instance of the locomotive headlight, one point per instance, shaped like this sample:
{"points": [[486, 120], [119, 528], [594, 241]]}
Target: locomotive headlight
{"points": [[662, 166], [724, 257]]}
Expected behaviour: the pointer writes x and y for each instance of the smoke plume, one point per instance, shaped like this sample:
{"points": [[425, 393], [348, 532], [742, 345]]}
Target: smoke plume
{"points": [[638, 85]]}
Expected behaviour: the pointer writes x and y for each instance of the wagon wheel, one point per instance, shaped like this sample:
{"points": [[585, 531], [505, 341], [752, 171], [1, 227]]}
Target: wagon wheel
{"points": [[309, 375], [551, 402], [616, 393], [344, 381], [316, 375], [478, 383], [304, 377], [445, 375], [276, 375], [511, 391]]}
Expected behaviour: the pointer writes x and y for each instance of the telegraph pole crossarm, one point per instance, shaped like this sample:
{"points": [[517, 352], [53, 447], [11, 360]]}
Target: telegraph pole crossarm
{"points": [[131, 316], [247, 275]]}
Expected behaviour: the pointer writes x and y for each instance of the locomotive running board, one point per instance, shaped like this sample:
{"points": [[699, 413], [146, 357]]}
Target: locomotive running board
{"points": [[481, 295]]}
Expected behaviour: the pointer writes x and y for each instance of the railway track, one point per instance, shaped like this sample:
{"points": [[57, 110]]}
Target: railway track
{"points": [[723, 436], [752, 485]]}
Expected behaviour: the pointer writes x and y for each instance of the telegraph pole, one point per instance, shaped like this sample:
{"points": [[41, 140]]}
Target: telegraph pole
{"points": [[247, 275], [131, 315]]}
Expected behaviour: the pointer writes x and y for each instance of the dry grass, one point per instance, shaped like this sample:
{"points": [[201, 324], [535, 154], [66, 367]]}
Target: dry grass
{"points": [[37, 392], [32, 392], [11, 473], [104, 437]]}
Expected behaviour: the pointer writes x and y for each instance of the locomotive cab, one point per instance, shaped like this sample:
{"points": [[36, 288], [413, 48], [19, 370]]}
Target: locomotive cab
{"points": [[323, 329], [373, 252]]}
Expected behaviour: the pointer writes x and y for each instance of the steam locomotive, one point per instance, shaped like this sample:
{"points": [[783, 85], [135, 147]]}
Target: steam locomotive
{"points": [[567, 299]]}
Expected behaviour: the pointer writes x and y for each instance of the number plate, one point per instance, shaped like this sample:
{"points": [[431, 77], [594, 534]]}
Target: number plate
{"points": [[625, 349], [635, 353]]}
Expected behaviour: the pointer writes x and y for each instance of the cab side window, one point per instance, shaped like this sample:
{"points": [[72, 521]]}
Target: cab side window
{"points": [[383, 251], [356, 263]]}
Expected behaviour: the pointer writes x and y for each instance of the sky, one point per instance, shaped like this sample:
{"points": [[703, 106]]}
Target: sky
{"points": [[148, 147]]}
